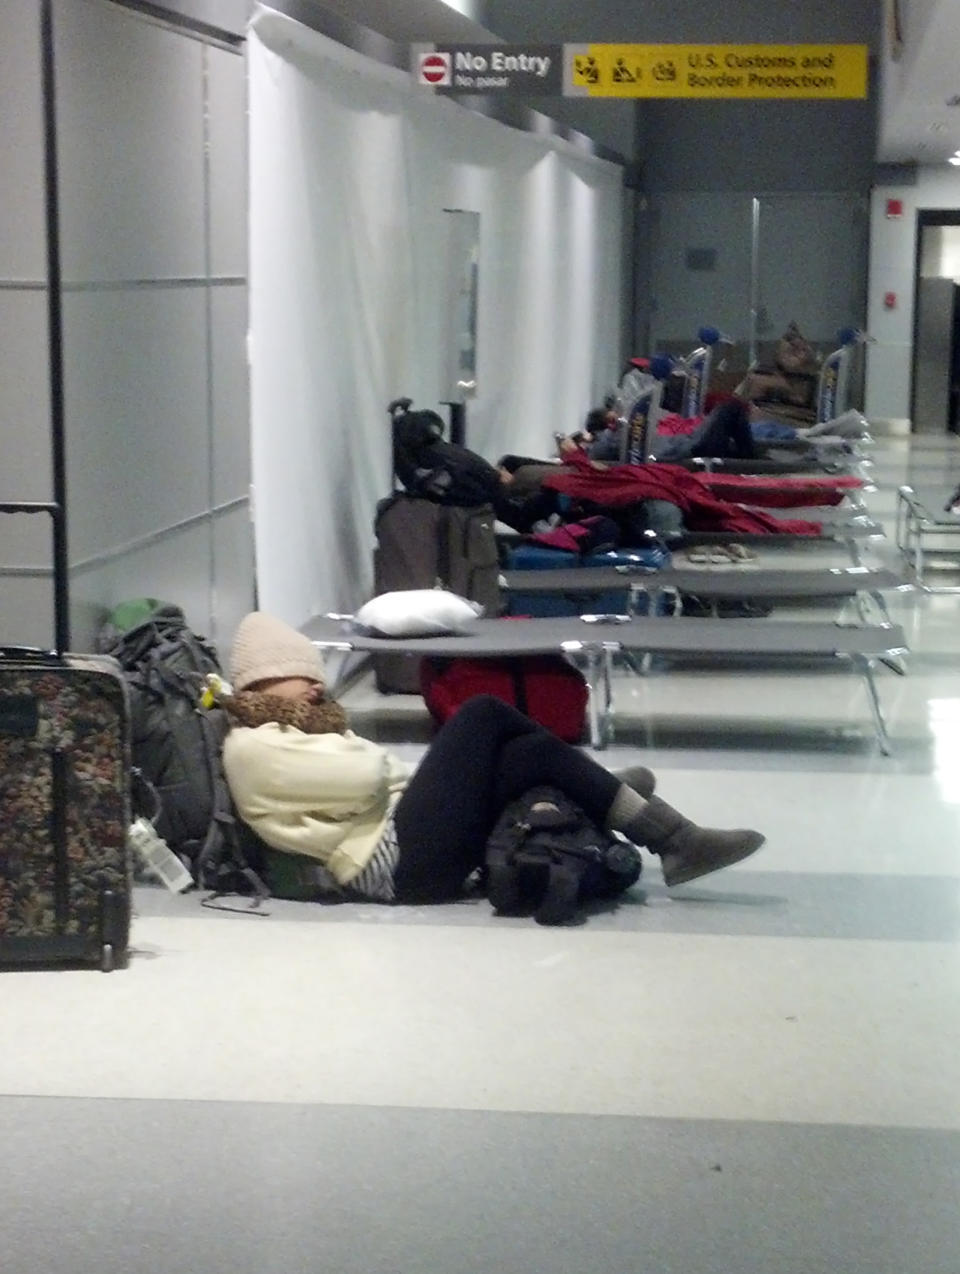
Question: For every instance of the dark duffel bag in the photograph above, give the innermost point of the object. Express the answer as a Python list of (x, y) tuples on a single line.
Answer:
[(428, 466)]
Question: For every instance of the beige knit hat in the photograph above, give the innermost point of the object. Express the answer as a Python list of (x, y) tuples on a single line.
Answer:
[(265, 647)]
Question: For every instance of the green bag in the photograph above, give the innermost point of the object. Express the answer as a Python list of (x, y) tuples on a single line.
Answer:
[(296, 877)]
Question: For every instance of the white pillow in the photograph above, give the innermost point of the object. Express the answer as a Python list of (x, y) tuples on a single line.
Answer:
[(417, 612)]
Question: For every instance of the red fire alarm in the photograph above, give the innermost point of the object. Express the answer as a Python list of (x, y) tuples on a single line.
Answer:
[(889, 300), (894, 207)]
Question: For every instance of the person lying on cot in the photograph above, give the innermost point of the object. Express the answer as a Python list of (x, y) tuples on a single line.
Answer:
[(725, 433), (522, 501), (671, 500), (365, 827), (525, 503), (600, 436)]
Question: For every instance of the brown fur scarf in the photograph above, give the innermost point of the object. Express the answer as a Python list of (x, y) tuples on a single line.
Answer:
[(253, 708)]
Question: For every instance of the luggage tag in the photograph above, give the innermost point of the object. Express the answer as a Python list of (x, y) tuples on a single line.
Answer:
[(215, 688)]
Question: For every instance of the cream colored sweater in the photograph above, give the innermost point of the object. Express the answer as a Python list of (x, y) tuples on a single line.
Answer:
[(328, 796)]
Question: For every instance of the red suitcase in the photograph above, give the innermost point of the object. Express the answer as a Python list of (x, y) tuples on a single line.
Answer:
[(544, 687)]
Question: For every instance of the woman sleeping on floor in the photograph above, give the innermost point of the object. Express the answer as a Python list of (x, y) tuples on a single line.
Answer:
[(344, 818)]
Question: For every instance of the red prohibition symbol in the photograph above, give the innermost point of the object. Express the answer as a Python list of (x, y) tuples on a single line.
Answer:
[(435, 68)]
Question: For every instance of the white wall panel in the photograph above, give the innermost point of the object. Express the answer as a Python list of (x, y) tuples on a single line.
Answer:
[(130, 126), (22, 231), (226, 109), (25, 467), (230, 393), (25, 470), (157, 570), (26, 608), (215, 590), (151, 402), (233, 574), (135, 373)]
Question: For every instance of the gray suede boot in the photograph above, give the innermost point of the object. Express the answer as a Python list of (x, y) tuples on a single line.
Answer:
[(639, 778), (686, 850)]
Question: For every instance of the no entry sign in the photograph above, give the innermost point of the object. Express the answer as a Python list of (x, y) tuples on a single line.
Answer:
[(435, 69)]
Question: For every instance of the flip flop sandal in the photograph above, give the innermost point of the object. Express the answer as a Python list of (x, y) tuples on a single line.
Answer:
[(739, 553), (709, 557)]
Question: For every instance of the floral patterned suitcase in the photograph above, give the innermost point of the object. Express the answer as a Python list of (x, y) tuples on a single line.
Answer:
[(65, 869), (64, 811)]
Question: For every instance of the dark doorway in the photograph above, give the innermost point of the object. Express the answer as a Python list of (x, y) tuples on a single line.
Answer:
[(935, 372)]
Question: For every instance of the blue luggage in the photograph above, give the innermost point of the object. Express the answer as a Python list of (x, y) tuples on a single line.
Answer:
[(534, 557)]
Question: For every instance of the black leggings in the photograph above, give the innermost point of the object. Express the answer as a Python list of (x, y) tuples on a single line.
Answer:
[(483, 757), (725, 432)]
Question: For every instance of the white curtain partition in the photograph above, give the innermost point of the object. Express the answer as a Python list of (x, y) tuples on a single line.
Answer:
[(351, 167)]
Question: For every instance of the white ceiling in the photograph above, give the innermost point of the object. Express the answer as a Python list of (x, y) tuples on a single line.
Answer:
[(915, 121)]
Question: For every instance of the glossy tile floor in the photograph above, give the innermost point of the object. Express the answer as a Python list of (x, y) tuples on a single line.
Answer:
[(756, 1073)]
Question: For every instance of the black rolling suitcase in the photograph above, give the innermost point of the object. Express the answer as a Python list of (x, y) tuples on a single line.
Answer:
[(64, 799)]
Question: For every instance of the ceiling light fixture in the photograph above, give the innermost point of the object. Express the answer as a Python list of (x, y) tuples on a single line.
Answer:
[(955, 160)]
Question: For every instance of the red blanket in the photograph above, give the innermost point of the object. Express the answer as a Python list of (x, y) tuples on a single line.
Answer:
[(618, 486), (779, 493)]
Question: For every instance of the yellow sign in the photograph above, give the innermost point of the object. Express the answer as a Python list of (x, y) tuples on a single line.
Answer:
[(812, 71)]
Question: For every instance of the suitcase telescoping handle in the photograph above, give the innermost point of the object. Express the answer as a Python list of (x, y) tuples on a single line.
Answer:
[(61, 611), (399, 407)]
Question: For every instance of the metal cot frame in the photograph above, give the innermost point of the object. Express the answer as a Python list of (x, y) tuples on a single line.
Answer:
[(599, 640), (916, 526), (860, 584)]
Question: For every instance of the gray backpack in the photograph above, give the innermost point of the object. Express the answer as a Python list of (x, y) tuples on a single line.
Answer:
[(177, 744)]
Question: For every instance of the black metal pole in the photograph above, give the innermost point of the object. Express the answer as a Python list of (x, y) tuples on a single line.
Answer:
[(61, 601), (458, 423)]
